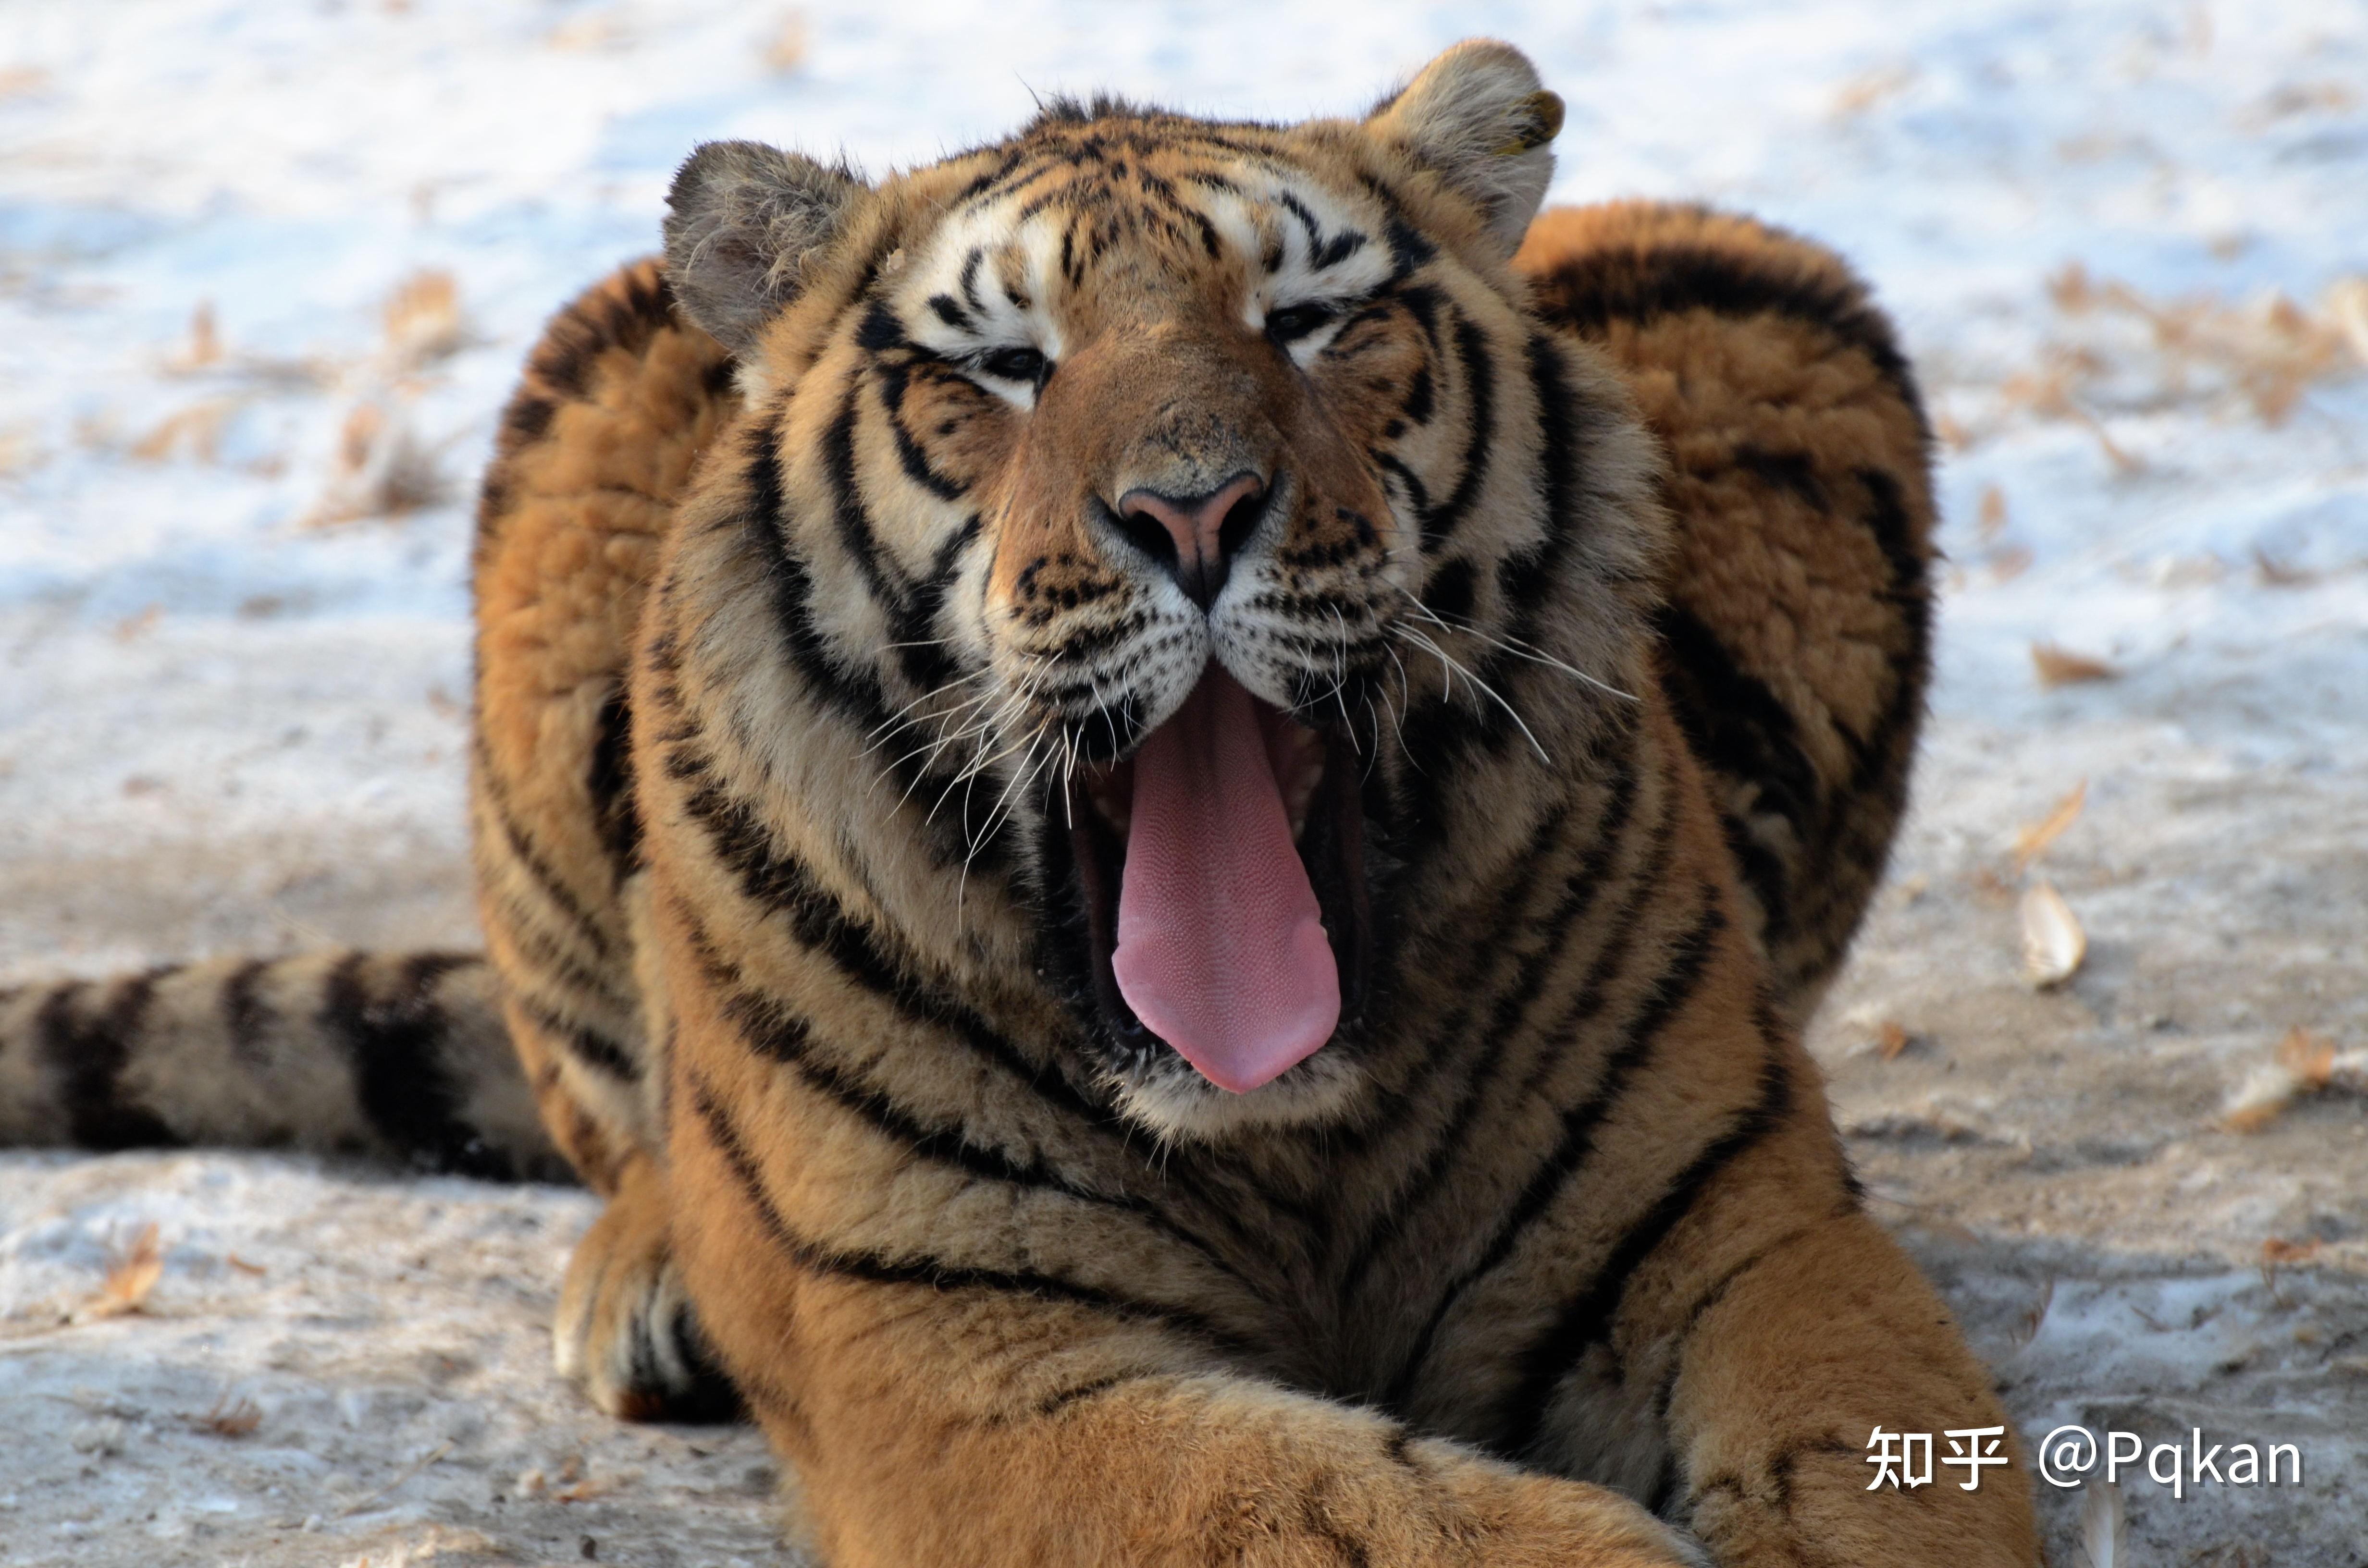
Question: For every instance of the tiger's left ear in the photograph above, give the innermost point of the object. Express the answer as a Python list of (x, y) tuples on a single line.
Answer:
[(742, 223), (1479, 117)]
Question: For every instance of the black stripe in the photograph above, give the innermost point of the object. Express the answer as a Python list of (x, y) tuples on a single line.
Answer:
[(851, 692), (1528, 577), (1709, 1298), (773, 878), (873, 1268), (245, 1014), (532, 944), (1671, 989), (1478, 371), (848, 512), (576, 336), (1735, 724), (524, 421), (1588, 293), (495, 794), (586, 1043), (1586, 1321), (777, 880), (1507, 1018), (895, 379), (1478, 952), (394, 1041), (926, 662), (87, 1057), (1794, 472), (1449, 593), (1644, 886), (780, 1036), (611, 784), (1053, 1404), (1881, 751)]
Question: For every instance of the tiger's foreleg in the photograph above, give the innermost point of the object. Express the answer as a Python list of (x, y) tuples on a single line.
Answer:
[(942, 1417), (1783, 1383), (615, 405), (1776, 1327)]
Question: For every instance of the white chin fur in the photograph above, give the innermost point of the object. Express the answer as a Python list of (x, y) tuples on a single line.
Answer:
[(1177, 1104)]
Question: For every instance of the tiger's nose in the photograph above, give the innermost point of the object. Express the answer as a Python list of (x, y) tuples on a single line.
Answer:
[(1195, 537)]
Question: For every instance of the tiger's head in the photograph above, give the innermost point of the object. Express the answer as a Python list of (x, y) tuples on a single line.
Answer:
[(1174, 514)]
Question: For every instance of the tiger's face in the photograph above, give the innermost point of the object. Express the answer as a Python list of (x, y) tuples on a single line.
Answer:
[(1133, 443), (1173, 365)]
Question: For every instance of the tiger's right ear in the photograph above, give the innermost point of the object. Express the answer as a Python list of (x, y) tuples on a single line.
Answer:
[(1479, 117), (742, 220)]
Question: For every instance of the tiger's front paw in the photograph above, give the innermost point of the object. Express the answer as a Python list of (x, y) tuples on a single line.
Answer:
[(626, 1330)]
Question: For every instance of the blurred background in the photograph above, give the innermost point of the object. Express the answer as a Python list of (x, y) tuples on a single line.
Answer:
[(265, 271)]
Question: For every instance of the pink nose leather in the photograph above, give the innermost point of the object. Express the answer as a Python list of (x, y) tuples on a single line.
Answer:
[(1195, 524)]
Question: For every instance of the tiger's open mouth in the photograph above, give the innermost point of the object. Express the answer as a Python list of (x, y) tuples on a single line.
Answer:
[(1223, 869)]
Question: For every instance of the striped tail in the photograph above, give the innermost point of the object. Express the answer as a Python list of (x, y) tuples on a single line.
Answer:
[(398, 1056)]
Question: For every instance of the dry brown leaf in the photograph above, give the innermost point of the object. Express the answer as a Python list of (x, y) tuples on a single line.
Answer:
[(2260, 1099), (2305, 1062), (596, 30), (2060, 667), (2278, 1254), (2053, 942), (786, 50), (2031, 842), (130, 1278), (422, 318), (198, 427), (2034, 1320), (1993, 514), (1890, 1039), (382, 470), (20, 449), (2347, 308), (2272, 573), (2104, 1527), (584, 1491), (1861, 93), (2008, 564), (204, 349), (132, 628), (231, 1418), (2267, 352), (2069, 287), (2309, 1057), (243, 1266)]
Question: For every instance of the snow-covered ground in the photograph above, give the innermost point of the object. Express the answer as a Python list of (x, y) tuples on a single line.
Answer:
[(266, 270)]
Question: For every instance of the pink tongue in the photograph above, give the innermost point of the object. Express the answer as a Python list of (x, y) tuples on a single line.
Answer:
[(1220, 949)]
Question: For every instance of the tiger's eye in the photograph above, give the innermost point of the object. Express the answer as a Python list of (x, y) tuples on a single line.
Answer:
[(1296, 322), (1018, 364)]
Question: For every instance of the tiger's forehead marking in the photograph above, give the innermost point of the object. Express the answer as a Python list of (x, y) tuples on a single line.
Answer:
[(1134, 205)]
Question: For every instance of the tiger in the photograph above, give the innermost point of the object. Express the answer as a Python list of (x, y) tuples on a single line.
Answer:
[(1159, 806)]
